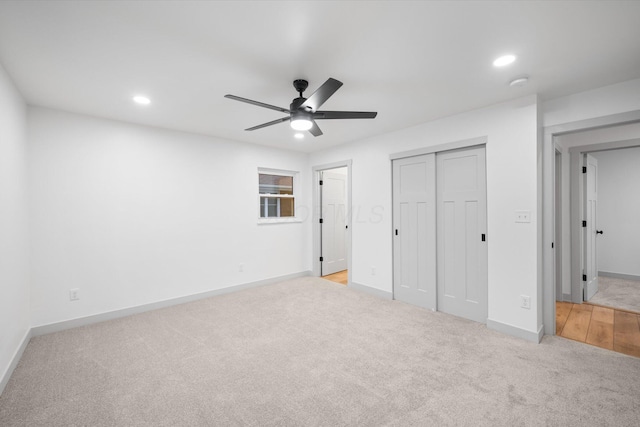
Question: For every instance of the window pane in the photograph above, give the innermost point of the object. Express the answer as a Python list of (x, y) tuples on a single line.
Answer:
[(276, 184), (286, 207), (268, 207), (274, 207)]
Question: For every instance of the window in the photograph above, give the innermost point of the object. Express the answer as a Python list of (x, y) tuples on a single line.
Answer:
[(277, 194)]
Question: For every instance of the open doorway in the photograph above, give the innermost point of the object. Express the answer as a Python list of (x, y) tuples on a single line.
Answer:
[(598, 302), (332, 233), (609, 314), (616, 240), (572, 139), (604, 206)]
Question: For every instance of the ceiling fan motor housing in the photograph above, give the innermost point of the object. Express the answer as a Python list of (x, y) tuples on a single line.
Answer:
[(296, 103), (300, 85)]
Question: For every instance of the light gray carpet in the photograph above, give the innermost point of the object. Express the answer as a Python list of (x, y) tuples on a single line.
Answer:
[(618, 293), (310, 352)]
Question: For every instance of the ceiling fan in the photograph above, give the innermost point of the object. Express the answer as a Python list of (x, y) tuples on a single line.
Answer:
[(303, 112)]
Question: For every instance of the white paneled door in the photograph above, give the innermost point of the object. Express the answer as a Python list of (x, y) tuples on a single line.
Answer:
[(462, 239), (439, 232), (591, 216), (414, 233), (334, 222)]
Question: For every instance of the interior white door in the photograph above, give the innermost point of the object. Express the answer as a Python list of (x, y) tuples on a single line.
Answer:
[(461, 235), (334, 222), (591, 216), (414, 234)]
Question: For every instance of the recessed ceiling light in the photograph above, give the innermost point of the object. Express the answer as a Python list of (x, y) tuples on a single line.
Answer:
[(519, 82), (504, 60), (299, 135), (142, 100)]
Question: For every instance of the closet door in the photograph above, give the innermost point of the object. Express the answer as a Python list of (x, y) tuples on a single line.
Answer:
[(414, 230), (461, 233)]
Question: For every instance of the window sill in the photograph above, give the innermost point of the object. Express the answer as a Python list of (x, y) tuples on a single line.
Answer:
[(287, 220)]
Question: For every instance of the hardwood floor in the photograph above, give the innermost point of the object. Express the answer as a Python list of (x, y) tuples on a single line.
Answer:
[(616, 330), (339, 277)]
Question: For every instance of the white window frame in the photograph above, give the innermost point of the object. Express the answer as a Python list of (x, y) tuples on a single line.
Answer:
[(296, 189)]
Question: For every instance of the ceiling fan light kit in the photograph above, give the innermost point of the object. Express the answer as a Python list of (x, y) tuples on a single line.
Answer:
[(303, 112), (301, 121)]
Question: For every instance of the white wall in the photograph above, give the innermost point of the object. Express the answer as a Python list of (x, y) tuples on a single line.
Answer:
[(131, 215), (619, 211), (511, 129), (604, 101), (14, 278)]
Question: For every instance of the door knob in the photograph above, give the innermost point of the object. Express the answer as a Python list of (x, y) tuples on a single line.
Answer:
[(598, 231)]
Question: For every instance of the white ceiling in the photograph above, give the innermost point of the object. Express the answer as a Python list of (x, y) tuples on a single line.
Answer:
[(410, 61)]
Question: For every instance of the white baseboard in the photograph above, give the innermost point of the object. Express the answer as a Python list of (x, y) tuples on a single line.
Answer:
[(4, 380), (369, 290), (116, 314), (515, 331), (566, 297), (619, 275)]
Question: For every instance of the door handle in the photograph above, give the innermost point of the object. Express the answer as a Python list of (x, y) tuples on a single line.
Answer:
[(598, 231)]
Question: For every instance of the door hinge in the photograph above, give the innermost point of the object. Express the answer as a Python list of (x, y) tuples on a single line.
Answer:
[(321, 259), (321, 221), (320, 182), (584, 223), (584, 169), (551, 245), (484, 238), (584, 277), (396, 231)]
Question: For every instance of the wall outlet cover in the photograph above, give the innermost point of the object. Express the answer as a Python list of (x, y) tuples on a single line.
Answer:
[(523, 216)]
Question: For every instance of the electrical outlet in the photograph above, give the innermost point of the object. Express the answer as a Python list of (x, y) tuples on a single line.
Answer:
[(523, 216), (525, 302), (74, 294), (241, 268)]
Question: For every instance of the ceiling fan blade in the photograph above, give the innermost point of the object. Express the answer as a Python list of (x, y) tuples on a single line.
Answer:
[(320, 115), (273, 122), (259, 104), (315, 130), (320, 96)]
